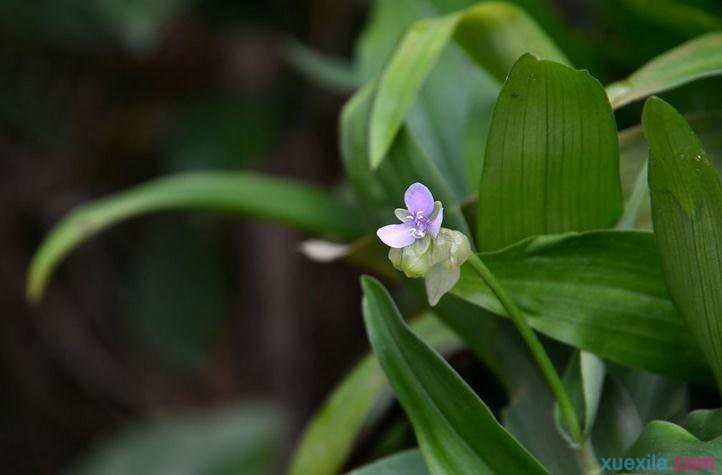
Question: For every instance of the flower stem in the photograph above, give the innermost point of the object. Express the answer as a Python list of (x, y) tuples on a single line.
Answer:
[(535, 346)]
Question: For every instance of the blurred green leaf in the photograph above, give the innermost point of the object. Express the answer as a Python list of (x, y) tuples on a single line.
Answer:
[(687, 214), (583, 380), (246, 193), (410, 462), (134, 24), (493, 34), (456, 431), (705, 424), (669, 441), (601, 292), (618, 421), (552, 157), (696, 59), (336, 74), (245, 439), (329, 437)]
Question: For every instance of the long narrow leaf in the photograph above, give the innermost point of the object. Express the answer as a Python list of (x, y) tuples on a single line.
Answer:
[(687, 215), (250, 194), (329, 437), (696, 59), (457, 433), (494, 34)]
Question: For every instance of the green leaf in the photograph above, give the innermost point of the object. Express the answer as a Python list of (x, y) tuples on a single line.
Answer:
[(552, 158), (583, 380), (633, 152), (668, 442), (410, 462), (602, 292), (687, 215), (383, 189), (493, 34), (457, 433), (244, 439), (333, 73), (329, 437), (618, 421), (304, 206), (695, 59), (705, 424)]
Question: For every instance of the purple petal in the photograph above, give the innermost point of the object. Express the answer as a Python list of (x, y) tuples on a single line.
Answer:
[(396, 235), (419, 198), (435, 225)]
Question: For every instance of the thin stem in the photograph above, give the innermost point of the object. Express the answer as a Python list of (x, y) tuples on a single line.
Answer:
[(535, 346)]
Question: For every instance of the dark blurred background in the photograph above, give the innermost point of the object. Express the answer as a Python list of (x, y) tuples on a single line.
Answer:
[(173, 312)]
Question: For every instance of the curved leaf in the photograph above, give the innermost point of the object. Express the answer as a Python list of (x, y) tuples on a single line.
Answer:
[(687, 215), (695, 59), (602, 292), (337, 74), (457, 433), (674, 447), (329, 437), (410, 462), (705, 424), (304, 206), (552, 157), (494, 34)]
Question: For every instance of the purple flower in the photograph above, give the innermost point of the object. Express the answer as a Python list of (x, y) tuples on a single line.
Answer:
[(422, 216)]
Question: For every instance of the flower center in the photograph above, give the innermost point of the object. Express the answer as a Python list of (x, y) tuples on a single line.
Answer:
[(420, 223)]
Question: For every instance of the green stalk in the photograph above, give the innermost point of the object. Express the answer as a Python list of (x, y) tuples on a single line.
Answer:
[(535, 346)]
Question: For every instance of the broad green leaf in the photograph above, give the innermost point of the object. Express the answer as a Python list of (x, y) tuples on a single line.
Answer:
[(330, 436), (583, 380), (457, 433), (696, 59), (337, 74), (705, 424), (382, 190), (687, 215), (671, 445), (304, 206), (602, 292), (245, 439), (552, 157), (410, 462), (493, 34)]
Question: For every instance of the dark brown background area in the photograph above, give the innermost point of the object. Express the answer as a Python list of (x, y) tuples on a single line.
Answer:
[(84, 117)]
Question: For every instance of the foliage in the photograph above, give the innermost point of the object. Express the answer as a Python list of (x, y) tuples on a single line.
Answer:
[(481, 104)]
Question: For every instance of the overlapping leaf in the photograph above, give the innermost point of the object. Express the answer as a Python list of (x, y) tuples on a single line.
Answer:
[(602, 292), (552, 158), (456, 432), (330, 435), (493, 34), (687, 215)]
